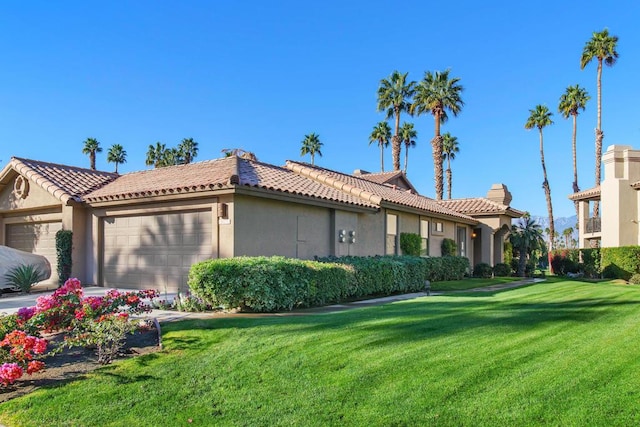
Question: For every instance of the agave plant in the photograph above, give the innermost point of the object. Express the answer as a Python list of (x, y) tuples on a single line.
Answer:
[(24, 277)]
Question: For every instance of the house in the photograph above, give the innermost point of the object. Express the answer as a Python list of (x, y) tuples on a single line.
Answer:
[(619, 202), (145, 229)]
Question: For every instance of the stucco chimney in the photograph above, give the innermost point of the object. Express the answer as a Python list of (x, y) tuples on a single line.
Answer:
[(499, 193)]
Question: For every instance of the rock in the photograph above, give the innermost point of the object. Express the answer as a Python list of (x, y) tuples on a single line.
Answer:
[(11, 258)]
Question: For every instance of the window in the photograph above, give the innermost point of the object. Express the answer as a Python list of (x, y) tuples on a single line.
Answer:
[(424, 235), (438, 227), (462, 241), (392, 234)]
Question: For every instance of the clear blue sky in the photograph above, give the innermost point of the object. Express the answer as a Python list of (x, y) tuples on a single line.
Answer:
[(261, 75)]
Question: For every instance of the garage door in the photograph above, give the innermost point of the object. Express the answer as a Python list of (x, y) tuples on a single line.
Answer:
[(37, 238), (155, 251)]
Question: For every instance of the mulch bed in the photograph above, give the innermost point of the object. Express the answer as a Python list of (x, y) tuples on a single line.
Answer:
[(73, 363)]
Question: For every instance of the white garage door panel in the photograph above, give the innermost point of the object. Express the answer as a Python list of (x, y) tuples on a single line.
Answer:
[(155, 251), (37, 238)]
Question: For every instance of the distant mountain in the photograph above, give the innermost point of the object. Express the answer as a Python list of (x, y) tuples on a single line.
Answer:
[(561, 224)]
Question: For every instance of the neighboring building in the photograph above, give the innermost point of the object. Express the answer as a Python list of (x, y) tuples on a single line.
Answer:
[(145, 229), (618, 199)]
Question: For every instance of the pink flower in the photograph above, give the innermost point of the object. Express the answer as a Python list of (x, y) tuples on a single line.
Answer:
[(94, 302), (26, 313), (113, 293), (40, 346), (44, 303), (10, 372), (35, 366)]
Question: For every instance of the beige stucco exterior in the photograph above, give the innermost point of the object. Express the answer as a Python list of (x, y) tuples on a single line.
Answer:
[(619, 202)]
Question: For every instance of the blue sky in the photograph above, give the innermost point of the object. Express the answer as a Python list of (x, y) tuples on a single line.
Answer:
[(261, 75)]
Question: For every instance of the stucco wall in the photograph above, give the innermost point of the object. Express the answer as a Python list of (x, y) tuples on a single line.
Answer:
[(36, 198), (273, 227), (371, 229)]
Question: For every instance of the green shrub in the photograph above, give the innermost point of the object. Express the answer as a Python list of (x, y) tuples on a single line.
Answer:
[(502, 270), (635, 279), (508, 253), (620, 263), (410, 244), (24, 277), (563, 265), (482, 270), (64, 245), (448, 247), (277, 283)]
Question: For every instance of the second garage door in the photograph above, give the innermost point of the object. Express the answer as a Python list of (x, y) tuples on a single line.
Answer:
[(37, 238), (155, 251)]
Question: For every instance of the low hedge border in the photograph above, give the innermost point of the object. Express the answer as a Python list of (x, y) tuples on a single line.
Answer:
[(266, 284)]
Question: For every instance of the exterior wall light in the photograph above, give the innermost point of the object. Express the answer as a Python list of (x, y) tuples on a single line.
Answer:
[(342, 234), (352, 236)]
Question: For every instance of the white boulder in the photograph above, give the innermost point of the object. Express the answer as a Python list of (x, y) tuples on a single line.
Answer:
[(11, 258)]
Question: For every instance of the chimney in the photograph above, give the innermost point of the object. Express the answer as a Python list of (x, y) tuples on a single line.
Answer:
[(499, 193)]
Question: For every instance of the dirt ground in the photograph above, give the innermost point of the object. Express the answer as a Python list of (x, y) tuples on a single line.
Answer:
[(73, 363)]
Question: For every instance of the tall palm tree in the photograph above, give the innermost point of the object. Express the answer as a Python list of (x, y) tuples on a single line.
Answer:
[(574, 99), (311, 145), (188, 149), (381, 134), (539, 118), (408, 135), (567, 233), (117, 155), (449, 150), (438, 94), (91, 147), (602, 47), (156, 155), (394, 96), (526, 236)]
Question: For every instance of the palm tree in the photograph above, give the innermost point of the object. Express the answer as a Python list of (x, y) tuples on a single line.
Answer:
[(449, 150), (408, 135), (540, 117), (311, 145), (188, 150), (574, 99), (239, 152), (381, 134), (394, 96), (172, 157), (91, 147), (567, 233), (117, 155), (156, 155), (526, 236), (436, 94), (601, 46)]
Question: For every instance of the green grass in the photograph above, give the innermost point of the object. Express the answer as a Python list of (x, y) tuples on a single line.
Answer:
[(471, 283), (555, 353)]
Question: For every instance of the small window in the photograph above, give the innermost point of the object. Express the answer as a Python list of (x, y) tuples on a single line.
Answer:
[(438, 227), (424, 235), (392, 234)]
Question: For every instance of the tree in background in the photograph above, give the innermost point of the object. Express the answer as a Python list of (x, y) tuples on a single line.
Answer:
[(437, 94), (449, 150), (394, 96), (381, 134), (526, 237), (239, 152), (172, 157), (540, 117), (156, 155), (567, 233), (188, 149), (575, 98), (311, 145), (117, 155), (602, 47), (408, 136), (91, 147)]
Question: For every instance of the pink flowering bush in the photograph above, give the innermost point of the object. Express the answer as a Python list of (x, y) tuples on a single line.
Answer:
[(98, 321)]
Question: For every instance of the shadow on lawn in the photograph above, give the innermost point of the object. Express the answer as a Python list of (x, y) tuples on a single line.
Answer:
[(426, 318)]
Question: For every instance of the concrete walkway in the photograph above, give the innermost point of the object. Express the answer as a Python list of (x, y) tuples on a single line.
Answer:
[(11, 303)]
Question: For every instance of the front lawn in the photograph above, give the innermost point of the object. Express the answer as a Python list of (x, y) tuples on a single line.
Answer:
[(557, 353), (471, 283)]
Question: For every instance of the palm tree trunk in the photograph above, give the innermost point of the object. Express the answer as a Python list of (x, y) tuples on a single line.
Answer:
[(381, 156), (116, 167), (312, 158), (406, 157), (599, 137), (547, 194), (436, 144), (92, 160), (395, 144), (576, 188), (522, 261), (448, 181)]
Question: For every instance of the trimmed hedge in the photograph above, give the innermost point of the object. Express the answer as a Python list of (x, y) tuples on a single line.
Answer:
[(568, 261), (410, 244), (620, 263), (483, 270), (64, 247), (502, 269), (269, 284)]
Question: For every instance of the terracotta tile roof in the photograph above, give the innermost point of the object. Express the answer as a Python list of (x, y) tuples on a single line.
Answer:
[(480, 205), (374, 192), (63, 182), (217, 174), (386, 178), (590, 194)]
